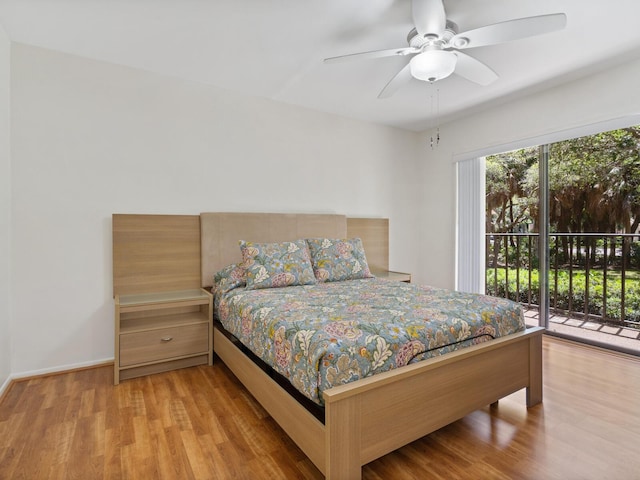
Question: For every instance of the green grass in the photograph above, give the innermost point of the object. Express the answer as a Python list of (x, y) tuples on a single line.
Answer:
[(563, 297)]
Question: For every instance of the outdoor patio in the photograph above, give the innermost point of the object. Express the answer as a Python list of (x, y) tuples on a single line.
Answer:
[(617, 337)]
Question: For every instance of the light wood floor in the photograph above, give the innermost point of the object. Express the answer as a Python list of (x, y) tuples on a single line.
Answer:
[(199, 423)]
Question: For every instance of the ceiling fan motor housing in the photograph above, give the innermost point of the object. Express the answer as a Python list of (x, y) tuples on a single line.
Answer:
[(415, 40)]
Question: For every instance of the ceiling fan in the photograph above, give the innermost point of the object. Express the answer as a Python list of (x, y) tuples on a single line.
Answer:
[(435, 45)]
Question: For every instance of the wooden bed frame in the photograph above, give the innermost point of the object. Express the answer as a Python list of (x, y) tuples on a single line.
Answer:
[(369, 418)]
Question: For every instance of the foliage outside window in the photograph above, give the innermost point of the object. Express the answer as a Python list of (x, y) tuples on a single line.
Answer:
[(594, 185), (594, 188)]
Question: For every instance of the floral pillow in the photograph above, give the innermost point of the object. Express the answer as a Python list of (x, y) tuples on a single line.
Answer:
[(230, 277), (335, 260), (272, 265)]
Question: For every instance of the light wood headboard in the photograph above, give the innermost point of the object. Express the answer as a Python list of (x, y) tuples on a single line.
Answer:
[(157, 253), (221, 232), (374, 233)]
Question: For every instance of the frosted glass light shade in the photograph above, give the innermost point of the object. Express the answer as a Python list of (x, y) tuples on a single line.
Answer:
[(432, 65)]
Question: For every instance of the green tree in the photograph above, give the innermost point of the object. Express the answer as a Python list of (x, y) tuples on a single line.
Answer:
[(594, 185), (594, 182), (508, 201)]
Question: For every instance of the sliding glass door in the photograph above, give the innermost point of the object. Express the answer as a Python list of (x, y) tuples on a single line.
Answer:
[(559, 233)]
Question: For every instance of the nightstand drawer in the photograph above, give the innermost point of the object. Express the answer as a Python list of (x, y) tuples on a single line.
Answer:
[(164, 343)]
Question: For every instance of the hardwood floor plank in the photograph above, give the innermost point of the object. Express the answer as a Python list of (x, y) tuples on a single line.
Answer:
[(59, 439), (308, 470), (220, 467), (199, 423), (112, 453), (267, 466), (10, 399), (234, 460), (199, 461)]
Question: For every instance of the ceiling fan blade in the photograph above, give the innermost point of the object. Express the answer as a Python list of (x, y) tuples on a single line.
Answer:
[(474, 70), (429, 17), (373, 54), (509, 30), (402, 78)]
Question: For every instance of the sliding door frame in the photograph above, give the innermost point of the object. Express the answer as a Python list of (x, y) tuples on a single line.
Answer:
[(470, 260), (543, 234)]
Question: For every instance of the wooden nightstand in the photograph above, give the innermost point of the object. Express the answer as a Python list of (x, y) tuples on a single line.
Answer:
[(393, 276), (157, 332)]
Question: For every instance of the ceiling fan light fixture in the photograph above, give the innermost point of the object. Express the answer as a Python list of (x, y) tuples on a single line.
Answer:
[(433, 65)]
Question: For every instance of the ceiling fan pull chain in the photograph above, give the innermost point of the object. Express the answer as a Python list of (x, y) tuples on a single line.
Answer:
[(436, 119), (437, 116), (431, 115)]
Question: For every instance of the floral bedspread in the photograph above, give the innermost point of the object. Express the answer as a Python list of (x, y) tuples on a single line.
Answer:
[(328, 334)]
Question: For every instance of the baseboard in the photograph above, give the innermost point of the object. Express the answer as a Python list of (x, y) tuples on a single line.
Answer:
[(61, 369), (20, 377), (5, 387)]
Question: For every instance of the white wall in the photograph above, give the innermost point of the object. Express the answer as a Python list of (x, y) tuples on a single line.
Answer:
[(90, 139), (5, 213), (551, 115)]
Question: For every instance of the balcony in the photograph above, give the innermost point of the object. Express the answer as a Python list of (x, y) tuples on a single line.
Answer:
[(594, 282)]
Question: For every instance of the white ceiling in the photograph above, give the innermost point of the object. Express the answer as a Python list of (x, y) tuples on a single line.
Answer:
[(275, 48)]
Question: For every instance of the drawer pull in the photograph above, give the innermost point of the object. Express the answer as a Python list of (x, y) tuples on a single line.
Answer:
[(166, 339)]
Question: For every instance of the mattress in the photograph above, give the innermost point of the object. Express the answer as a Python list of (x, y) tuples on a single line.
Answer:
[(327, 334)]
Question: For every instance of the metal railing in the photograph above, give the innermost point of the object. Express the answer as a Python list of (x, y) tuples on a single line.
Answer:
[(591, 275)]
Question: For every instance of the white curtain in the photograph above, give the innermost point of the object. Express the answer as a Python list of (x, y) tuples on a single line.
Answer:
[(470, 237)]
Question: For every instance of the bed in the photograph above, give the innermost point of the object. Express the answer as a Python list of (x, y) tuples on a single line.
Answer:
[(369, 417)]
